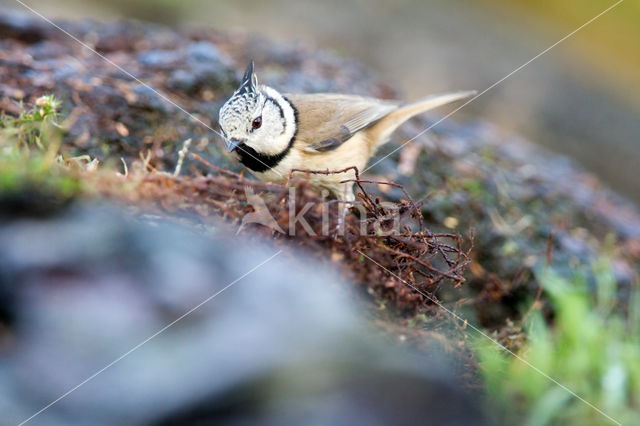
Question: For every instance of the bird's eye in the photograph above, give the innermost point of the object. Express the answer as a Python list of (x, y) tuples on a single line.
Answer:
[(257, 122)]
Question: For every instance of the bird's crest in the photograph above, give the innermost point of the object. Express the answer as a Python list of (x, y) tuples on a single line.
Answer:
[(249, 83)]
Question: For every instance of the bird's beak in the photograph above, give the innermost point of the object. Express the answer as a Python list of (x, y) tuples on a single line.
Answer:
[(232, 144)]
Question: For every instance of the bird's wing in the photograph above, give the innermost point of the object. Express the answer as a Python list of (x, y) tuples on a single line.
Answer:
[(326, 121)]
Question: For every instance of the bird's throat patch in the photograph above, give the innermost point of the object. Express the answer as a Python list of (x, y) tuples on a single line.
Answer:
[(257, 162)]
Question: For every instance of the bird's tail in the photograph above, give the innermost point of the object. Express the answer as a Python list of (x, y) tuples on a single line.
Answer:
[(383, 129)]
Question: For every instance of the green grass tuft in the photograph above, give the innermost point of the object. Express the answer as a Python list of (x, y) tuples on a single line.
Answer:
[(591, 346)]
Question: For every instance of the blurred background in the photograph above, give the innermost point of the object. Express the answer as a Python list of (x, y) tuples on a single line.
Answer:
[(581, 99)]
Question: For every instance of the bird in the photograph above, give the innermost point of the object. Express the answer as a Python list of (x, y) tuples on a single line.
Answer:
[(273, 133)]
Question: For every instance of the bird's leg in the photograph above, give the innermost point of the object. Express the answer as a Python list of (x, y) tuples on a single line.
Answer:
[(346, 197)]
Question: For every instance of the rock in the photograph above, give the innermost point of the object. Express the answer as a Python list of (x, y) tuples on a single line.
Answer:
[(19, 26), (183, 80), (204, 53), (280, 345), (157, 58)]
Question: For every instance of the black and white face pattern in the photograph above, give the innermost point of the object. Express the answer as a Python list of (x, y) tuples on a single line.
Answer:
[(257, 120)]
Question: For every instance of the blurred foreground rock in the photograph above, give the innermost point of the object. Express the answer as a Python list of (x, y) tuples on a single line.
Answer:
[(281, 344)]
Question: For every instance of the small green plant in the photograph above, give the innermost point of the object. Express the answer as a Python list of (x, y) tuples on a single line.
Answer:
[(33, 124), (591, 345), (29, 150)]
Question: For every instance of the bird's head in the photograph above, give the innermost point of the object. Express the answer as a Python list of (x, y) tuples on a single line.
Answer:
[(257, 117)]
